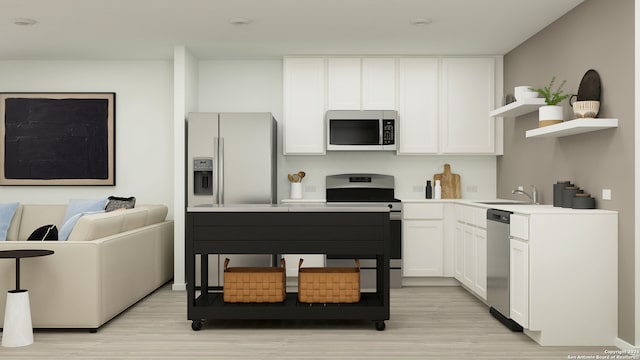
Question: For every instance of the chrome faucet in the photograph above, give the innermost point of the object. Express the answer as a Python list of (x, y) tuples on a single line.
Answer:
[(533, 197)]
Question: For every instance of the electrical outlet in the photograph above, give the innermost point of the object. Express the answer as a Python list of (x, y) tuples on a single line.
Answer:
[(472, 188), (309, 188), (418, 188), (606, 194)]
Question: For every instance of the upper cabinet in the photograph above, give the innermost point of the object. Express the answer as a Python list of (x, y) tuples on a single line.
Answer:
[(467, 97), (443, 104), (343, 82), (361, 83), (304, 106), (418, 105), (378, 83)]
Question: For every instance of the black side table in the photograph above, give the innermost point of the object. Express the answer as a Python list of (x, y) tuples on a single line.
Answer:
[(18, 330)]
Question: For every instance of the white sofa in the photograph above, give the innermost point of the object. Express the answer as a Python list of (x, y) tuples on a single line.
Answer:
[(109, 262)]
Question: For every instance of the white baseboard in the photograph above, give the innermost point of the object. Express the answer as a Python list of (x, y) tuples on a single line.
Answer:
[(429, 281), (630, 349), (179, 287)]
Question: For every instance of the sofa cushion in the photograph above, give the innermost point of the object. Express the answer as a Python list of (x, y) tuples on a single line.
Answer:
[(46, 232), (67, 226), (96, 226), (134, 218), (7, 211), (157, 213), (14, 225), (33, 216)]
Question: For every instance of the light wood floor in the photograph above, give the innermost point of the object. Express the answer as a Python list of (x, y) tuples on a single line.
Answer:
[(426, 323)]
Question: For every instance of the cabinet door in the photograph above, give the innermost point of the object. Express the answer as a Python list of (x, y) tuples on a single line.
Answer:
[(467, 97), (304, 93), (378, 84), (469, 267), (343, 83), (458, 249), (519, 282), (418, 105), (480, 285), (422, 248)]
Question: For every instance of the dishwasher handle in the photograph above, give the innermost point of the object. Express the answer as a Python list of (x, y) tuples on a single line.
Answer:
[(499, 215)]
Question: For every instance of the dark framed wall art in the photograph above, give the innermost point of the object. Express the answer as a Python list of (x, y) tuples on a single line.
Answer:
[(57, 139)]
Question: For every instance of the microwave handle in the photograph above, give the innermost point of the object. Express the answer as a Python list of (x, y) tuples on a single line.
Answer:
[(381, 128)]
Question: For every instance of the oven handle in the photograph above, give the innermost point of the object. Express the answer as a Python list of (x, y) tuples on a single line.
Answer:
[(395, 215)]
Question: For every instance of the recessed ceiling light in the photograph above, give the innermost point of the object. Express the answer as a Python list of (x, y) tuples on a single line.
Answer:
[(239, 21), (23, 21), (421, 21)]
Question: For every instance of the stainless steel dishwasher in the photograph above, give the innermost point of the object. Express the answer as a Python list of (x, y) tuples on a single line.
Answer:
[(498, 267)]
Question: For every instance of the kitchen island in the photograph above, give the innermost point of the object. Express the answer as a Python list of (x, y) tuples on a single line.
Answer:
[(286, 229)]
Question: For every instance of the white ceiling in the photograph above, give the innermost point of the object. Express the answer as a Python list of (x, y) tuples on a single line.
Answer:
[(149, 29)]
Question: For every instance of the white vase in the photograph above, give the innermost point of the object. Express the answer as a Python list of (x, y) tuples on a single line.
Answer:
[(550, 114), (295, 191)]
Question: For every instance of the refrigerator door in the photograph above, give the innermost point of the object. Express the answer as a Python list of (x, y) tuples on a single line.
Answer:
[(247, 158), (202, 135)]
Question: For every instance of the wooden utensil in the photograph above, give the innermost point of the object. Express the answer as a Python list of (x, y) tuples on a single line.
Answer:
[(449, 182), (290, 177), (301, 174), (296, 177)]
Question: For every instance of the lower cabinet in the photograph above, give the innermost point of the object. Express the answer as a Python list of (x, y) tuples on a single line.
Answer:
[(423, 239), (519, 281), (423, 248), (470, 250)]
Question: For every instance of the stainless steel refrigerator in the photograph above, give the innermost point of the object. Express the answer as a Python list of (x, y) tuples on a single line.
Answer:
[(231, 159)]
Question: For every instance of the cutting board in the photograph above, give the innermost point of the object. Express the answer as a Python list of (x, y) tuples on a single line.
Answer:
[(449, 182)]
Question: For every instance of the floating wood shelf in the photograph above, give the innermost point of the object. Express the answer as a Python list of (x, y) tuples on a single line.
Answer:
[(573, 127)]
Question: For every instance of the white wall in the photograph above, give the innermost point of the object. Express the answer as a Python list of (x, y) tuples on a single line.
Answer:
[(256, 85), (144, 139)]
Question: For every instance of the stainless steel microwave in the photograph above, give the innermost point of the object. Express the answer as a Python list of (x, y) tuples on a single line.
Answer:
[(362, 130)]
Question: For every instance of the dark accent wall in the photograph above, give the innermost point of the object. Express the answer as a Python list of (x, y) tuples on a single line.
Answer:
[(598, 34)]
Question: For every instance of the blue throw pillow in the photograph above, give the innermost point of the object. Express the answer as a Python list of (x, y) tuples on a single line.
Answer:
[(75, 209), (6, 214)]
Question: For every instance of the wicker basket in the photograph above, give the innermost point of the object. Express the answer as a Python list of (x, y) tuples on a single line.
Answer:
[(254, 284), (329, 285)]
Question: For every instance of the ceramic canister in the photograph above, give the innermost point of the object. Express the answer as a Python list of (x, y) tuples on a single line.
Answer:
[(557, 191), (568, 194), (583, 201)]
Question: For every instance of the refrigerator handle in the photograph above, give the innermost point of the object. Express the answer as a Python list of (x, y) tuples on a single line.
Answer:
[(221, 171), (216, 194)]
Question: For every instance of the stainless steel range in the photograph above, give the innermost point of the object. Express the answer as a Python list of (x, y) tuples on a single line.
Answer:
[(365, 190)]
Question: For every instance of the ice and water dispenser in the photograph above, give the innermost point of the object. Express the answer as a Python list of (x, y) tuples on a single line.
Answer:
[(203, 176)]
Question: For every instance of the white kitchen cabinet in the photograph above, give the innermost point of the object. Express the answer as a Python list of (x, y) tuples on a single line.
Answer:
[(423, 240), (467, 97), (378, 83), (343, 83), (470, 258), (418, 105), (423, 248), (519, 281), (458, 248), (480, 284), (469, 267), (304, 106), (361, 83)]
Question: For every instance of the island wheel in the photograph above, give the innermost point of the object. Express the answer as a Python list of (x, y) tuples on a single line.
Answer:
[(196, 325), (380, 325)]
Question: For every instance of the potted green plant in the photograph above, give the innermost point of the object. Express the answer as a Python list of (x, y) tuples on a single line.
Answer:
[(552, 113)]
